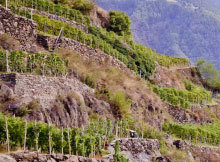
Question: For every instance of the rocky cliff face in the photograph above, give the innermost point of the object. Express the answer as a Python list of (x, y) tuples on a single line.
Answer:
[(61, 101)]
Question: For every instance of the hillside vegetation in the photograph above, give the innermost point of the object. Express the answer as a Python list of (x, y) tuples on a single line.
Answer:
[(186, 28), (121, 98)]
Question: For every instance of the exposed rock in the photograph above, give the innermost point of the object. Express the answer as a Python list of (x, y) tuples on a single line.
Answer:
[(7, 92), (140, 150), (99, 17), (6, 158), (174, 77), (180, 144), (22, 29), (196, 116), (83, 50), (34, 156), (98, 106)]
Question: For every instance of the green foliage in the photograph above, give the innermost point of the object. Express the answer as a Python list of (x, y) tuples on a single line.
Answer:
[(157, 25), (119, 23), (206, 133), (119, 157), (137, 60), (38, 63), (120, 101), (84, 142), (209, 73), (85, 6), (184, 98), (137, 57), (90, 82), (48, 6)]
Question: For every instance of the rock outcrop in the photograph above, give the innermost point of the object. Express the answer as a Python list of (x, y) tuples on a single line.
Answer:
[(140, 150), (61, 101)]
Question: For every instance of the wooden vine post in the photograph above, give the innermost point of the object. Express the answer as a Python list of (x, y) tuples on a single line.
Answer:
[(68, 133), (25, 134), (7, 134), (62, 142), (58, 38), (6, 4), (36, 138), (50, 150), (7, 62)]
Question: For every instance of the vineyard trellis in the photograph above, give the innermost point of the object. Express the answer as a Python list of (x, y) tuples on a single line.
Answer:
[(109, 42), (183, 97), (46, 138), (38, 63), (207, 133)]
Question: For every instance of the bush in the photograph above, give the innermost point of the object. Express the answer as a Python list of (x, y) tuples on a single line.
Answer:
[(90, 82), (123, 105), (209, 73), (119, 23), (85, 6)]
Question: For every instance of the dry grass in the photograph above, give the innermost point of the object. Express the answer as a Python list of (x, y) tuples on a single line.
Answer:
[(116, 81), (9, 43)]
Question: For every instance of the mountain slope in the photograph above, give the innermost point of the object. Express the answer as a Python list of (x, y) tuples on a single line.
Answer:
[(189, 28)]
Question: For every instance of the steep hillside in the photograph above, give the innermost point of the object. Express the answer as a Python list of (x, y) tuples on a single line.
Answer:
[(71, 90), (186, 28)]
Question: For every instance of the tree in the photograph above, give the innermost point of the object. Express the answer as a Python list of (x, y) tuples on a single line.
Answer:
[(119, 23), (209, 73)]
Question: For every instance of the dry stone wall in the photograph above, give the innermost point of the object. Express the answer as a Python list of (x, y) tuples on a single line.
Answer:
[(63, 102), (20, 28), (139, 150), (45, 89), (83, 50)]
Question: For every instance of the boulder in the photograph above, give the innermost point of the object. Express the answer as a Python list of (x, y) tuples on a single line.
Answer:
[(7, 92), (6, 158), (182, 145)]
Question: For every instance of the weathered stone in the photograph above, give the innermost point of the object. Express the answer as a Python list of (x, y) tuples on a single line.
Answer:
[(22, 29), (180, 144), (6, 158), (138, 150), (83, 50), (7, 92)]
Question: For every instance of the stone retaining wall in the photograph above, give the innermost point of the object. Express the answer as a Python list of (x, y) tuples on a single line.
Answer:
[(20, 28), (45, 89), (83, 50)]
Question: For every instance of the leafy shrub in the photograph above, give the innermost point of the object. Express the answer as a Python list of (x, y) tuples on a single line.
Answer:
[(209, 73), (119, 157), (90, 82), (119, 23), (85, 6), (120, 101)]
